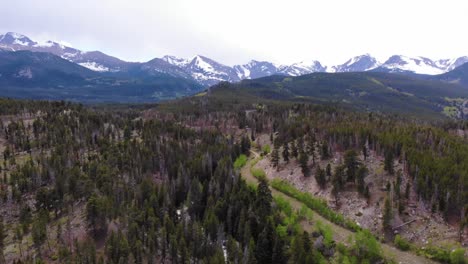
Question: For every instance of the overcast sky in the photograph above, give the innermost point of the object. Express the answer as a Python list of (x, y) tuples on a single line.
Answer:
[(236, 31)]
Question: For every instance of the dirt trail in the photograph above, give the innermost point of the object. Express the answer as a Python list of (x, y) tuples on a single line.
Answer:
[(340, 234)]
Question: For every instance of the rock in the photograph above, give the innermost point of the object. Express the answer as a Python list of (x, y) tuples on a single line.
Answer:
[(318, 244), (315, 234)]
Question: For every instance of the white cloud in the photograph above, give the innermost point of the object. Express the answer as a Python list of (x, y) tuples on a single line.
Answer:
[(237, 31)]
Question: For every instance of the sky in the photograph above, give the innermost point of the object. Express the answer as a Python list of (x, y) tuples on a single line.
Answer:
[(236, 31)]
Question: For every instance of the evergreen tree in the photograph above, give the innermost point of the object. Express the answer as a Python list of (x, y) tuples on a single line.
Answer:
[(286, 152), (264, 199), (328, 170), (324, 151), (367, 192), (361, 174), (320, 177), (311, 145), (278, 256), (3, 235), (96, 209), (351, 163), (365, 152), (39, 230), (407, 191), (387, 215), (275, 158), (264, 248), (388, 163), (303, 160), (337, 183), (294, 149)]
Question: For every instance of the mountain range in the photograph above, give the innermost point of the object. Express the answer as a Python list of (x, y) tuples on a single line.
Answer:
[(207, 72)]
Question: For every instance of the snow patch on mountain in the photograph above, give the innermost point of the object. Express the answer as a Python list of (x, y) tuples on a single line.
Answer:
[(175, 61), (418, 65), (357, 64), (94, 66), (301, 68)]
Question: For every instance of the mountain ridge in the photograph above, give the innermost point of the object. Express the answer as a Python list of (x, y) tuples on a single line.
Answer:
[(208, 72)]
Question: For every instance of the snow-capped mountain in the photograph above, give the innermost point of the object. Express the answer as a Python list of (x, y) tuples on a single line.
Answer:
[(95, 60), (451, 64), (256, 69), (204, 70), (207, 72), (175, 61), (158, 66), (301, 68), (420, 65), (357, 64)]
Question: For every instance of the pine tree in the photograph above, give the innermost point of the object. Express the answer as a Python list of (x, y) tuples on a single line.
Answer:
[(388, 163), (39, 231), (365, 152), (96, 210), (407, 191), (324, 151), (275, 158), (294, 149), (361, 174), (303, 160), (351, 163), (387, 215), (278, 256), (337, 182), (286, 152), (367, 192), (3, 235), (264, 248), (320, 177), (264, 199), (311, 145)]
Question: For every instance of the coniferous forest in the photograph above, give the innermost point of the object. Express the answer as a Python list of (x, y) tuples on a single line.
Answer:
[(178, 183)]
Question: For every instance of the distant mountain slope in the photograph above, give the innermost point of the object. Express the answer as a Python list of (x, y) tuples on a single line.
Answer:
[(93, 60), (40, 69), (457, 76), (40, 75), (370, 91)]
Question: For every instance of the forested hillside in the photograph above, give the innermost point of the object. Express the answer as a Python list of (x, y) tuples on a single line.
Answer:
[(87, 186), (163, 184), (365, 91)]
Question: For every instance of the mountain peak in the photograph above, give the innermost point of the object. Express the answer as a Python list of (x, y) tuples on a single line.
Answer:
[(364, 62), (419, 65), (16, 39), (15, 35)]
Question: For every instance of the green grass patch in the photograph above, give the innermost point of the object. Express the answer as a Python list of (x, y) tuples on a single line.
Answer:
[(258, 173), (240, 161), (291, 219), (266, 149), (401, 243), (444, 254), (316, 204)]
